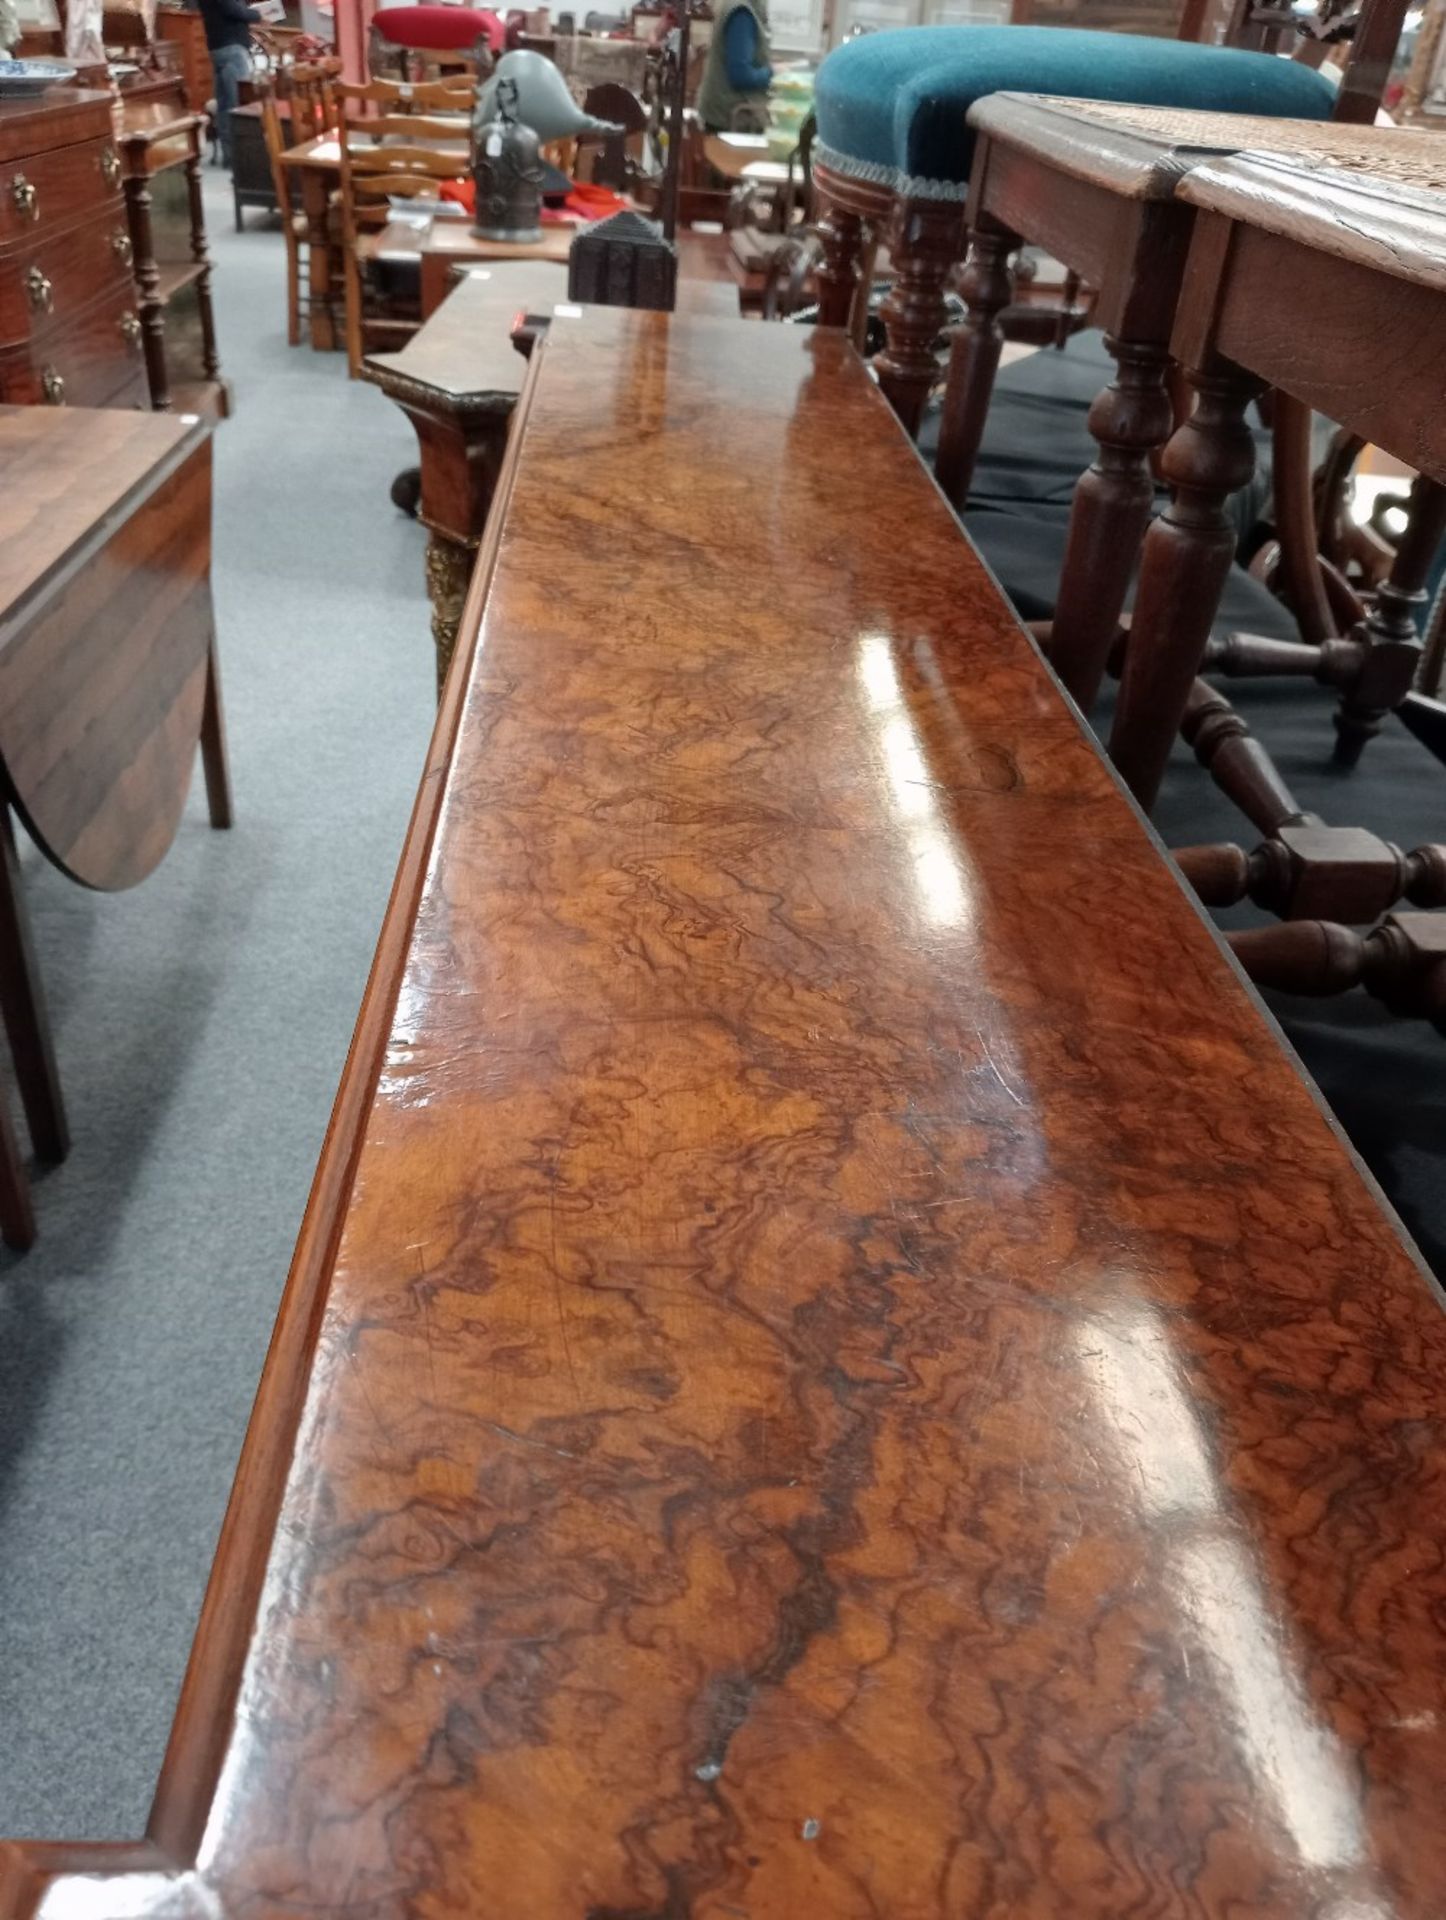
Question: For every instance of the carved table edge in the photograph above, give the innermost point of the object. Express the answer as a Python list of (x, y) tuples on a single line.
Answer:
[(407, 390)]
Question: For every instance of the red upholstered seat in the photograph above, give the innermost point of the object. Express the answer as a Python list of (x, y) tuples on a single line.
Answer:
[(439, 29)]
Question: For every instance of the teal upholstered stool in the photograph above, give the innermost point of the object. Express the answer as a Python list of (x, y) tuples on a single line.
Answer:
[(893, 143)]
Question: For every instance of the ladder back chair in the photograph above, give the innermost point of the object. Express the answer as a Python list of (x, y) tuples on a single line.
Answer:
[(393, 157)]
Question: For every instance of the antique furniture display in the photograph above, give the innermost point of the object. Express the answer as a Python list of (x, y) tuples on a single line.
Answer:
[(828, 1371), (167, 218), (1325, 279), (1096, 185), (108, 675), (69, 331)]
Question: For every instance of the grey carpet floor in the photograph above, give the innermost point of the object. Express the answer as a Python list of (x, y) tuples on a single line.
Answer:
[(201, 1021)]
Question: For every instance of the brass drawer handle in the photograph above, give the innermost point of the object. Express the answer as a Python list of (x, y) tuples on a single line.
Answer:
[(53, 387), (109, 164), (39, 291), (120, 246), (130, 328), (27, 200)]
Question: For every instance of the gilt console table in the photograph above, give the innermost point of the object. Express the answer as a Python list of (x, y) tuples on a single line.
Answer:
[(834, 1365), (108, 675)]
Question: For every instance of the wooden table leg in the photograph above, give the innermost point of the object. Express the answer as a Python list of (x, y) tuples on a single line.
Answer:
[(926, 239), (215, 762), (1187, 557), (1393, 643), (210, 359), (17, 1216), (988, 288), (320, 259), (841, 232), (148, 291), (449, 569), (1130, 421), (22, 999)]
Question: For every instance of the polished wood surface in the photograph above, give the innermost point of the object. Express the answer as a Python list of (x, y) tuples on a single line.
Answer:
[(106, 631), (830, 1368)]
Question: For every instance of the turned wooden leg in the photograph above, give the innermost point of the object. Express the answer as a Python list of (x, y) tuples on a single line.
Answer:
[(449, 569), (26, 1021), (1113, 502), (148, 292), (215, 763), (987, 287), (1187, 557), (838, 275), (1402, 962), (210, 359), (925, 240), (1393, 644), (17, 1216), (1237, 762)]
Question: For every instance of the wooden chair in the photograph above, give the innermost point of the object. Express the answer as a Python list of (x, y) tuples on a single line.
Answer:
[(454, 93), (294, 230), (311, 91), (382, 159)]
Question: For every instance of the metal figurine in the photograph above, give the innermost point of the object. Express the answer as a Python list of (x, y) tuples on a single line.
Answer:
[(506, 172)]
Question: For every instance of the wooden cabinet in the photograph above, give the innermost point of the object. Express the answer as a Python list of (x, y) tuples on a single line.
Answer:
[(182, 28), (69, 326), (161, 167)]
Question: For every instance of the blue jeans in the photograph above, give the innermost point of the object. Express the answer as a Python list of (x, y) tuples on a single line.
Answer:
[(230, 66)]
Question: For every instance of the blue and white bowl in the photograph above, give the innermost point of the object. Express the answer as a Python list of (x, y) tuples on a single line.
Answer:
[(32, 76)]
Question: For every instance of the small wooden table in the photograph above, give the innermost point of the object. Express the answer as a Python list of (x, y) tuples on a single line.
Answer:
[(1096, 185), (1329, 285), (830, 1369), (108, 673)]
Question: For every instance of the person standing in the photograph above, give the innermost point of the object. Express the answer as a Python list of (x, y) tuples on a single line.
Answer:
[(737, 73), (228, 36)]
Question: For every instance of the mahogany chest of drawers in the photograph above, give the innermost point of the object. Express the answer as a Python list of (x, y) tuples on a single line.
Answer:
[(69, 330)]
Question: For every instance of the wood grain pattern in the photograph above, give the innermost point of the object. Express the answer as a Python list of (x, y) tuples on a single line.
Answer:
[(106, 631), (834, 1366)]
